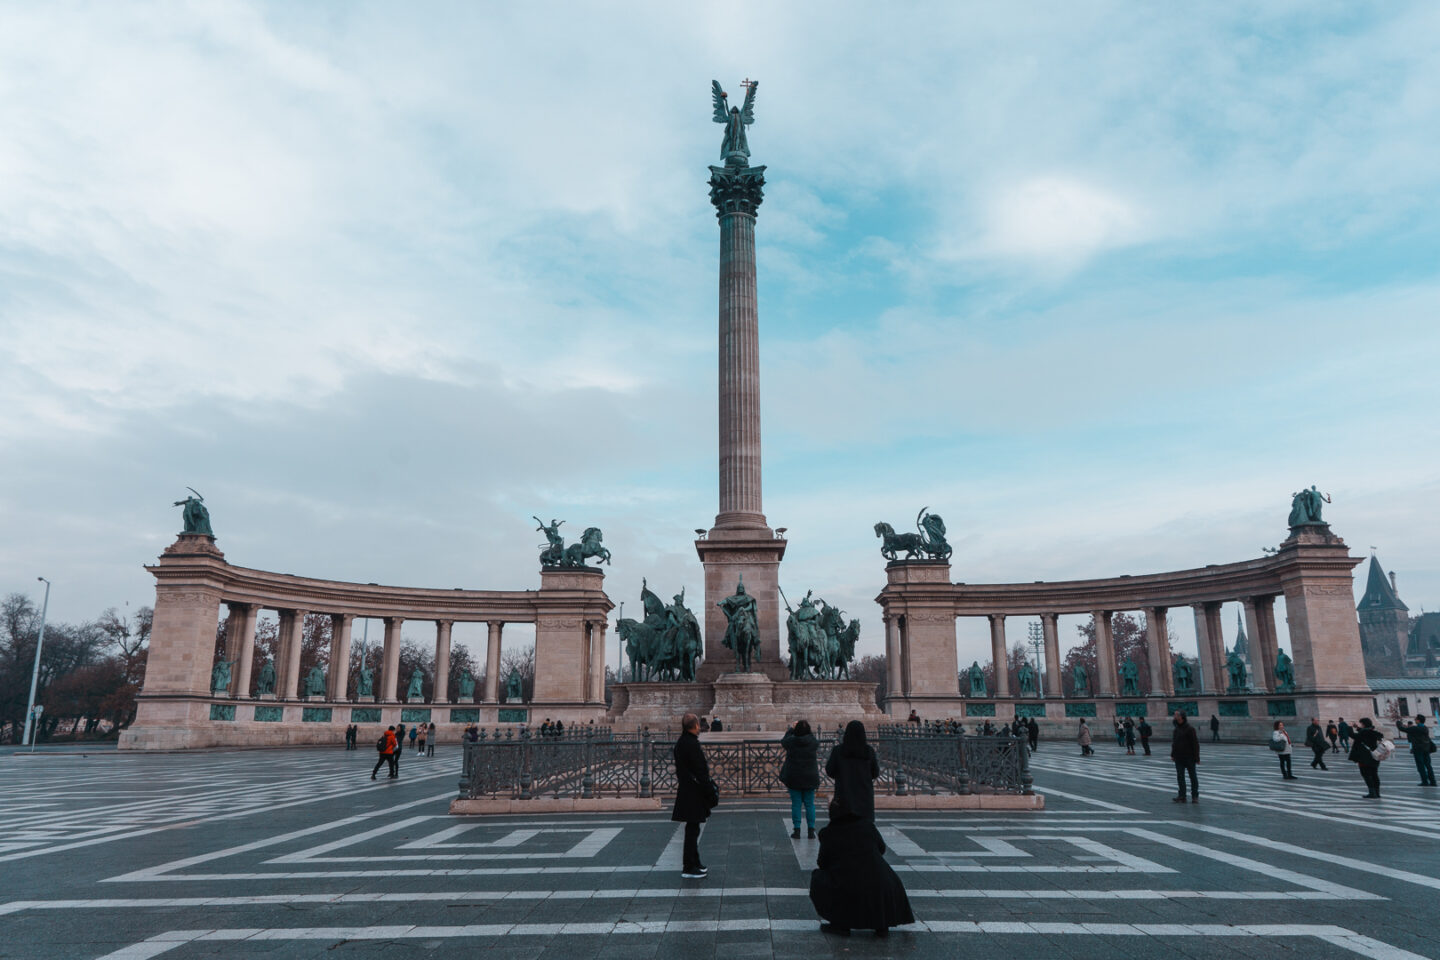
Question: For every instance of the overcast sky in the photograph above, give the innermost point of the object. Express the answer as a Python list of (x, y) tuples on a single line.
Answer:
[(1101, 284)]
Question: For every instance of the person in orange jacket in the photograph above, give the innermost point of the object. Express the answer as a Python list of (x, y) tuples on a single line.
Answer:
[(387, 748)]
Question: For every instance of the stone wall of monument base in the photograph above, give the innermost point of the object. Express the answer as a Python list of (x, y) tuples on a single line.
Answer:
[(1248, 717), (745, 702), (190, 723)]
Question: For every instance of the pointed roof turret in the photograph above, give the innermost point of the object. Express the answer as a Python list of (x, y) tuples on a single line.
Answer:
[(1242, 642), (1379, 594)]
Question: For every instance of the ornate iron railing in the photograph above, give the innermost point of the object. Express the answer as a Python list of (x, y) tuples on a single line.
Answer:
[(522, 766)]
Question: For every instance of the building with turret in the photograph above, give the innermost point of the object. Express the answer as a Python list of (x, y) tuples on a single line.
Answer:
[(1384, 624)]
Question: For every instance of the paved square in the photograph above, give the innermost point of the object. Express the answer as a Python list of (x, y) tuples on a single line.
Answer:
[(297, 853)]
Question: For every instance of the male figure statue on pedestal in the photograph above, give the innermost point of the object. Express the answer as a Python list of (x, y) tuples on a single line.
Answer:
[(266, 684), (220, 676), (742, 634)]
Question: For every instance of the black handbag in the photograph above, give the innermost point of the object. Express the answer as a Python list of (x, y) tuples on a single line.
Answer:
[(710, 792)]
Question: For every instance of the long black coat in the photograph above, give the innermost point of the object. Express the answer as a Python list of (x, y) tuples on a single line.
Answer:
[(691, 773), (1185, 747), (854, 781), (853, 886), (1362, 741), (801, 770)]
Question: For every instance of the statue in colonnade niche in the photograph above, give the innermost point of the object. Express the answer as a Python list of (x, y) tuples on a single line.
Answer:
[(514, 687), (977, 680), (742, 633), (315, 682), (467, 685), (930, 541), (220, 676), (1129, 679), (266, 680), (1306, 506), (416, 689), (195, 515), (1026, 678), (1184, 675), (1236, 668), (1284, 674), (366, 686), (1081, 678)]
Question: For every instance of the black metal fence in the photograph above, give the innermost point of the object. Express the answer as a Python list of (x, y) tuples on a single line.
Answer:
[(522, 766)]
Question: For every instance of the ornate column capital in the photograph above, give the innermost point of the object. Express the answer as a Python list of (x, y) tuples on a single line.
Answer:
[(737, 189)]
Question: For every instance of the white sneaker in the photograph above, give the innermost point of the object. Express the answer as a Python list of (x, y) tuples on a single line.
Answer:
[(692, 876)]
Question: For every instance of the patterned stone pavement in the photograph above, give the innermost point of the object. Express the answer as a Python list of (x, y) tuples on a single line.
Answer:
[(297, 853)]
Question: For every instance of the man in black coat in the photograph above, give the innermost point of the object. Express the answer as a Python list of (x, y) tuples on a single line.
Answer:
[(1421, 746), (1185, 751), (692, 801), (1145, 733), (1315, 740)]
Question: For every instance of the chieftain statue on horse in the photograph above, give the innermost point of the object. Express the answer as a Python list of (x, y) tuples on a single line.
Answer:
[(665, 645), (821, 643)]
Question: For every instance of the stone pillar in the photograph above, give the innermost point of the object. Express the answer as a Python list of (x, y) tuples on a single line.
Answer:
[(390, 668), (1104, 655), (998, 655), (893, 666), (341, 625), (292, 633), (1216, 634), (920, 593), (1269, 639), (441, 692), (1157, 643), (1050, 626), (492, 662), (1315, 573), (245, 650), (1212, 665), (1262, 664), (597, 660)]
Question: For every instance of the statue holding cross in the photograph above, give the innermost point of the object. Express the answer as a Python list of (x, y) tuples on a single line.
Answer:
[(734, 149)]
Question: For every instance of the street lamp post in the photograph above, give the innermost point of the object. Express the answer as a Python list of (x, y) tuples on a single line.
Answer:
[(30, 725), (1037, 640)]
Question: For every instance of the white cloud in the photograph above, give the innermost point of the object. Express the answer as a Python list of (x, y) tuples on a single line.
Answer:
[(1058, 220)]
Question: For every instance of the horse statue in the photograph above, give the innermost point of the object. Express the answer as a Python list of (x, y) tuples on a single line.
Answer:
[(742, 633), (929, 542), (806, 636), (848, 638), (589, 546), (665, 645)]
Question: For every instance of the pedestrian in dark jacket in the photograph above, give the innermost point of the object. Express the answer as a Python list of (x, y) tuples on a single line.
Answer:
[(1332, 733), (852, 886), (1034, 734), (1185, 752), (1364, 739), (386, 747), (1421, 746), (1129, 736), (692, 797), (1315, 740), (1214, 729), (854, 768), (1345, 730), (801, 774), (1146, 731)]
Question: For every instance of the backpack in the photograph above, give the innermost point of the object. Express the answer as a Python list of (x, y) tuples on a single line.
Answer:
[(380, 744), (1383, 750)]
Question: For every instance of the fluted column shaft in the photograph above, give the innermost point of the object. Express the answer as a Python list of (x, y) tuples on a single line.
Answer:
[(492, 663), (340, 628), (441, 693), (892, 656), (1104, 655), (1157, 640), (245, 648), (998, 655), (390, 669), (1049, 625), (293, 630), (740, 498)]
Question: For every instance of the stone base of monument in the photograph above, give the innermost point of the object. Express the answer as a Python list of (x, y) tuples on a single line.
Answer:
[(744, 703)]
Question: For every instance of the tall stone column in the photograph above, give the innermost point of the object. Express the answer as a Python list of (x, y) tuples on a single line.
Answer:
[(390, 668), (998, 655), (597, 660), (1157, 640), (892, 657), (245, 650), (492, 662), (740, 545), (1262, 661), (1216, 633), (293, 630), (1269, 639), (1212, 668), (1104, 655), (441, 692), (1050, 627), (341, 625)]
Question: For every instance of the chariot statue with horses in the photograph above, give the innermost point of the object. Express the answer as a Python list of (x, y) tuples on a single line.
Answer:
[(927, 544), (556, 555)]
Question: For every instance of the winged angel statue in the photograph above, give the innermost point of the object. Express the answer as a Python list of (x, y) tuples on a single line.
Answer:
[(735, 151)]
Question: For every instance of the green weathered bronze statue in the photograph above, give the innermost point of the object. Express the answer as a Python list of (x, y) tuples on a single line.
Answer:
[(555, 554), (665, 645), (929, 542), (806, 635), (1129, 679), (1081, 678), (1305, 508), (265, 682), (416, 689), (1027, 679), (514, 687), (977, 680), (467, 686), (195, 515), (742, 632), (1184, 675), (220, 676), (1284, 674), (366, 686), (315, 682), (1236, 668), (734, 149)]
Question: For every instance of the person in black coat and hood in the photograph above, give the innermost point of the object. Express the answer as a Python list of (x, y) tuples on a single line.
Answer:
[(692, 801), (1365, 738), (801, 774), (852, 886)]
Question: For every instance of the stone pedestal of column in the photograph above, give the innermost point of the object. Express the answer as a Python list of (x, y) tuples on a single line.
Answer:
[(753, 554)]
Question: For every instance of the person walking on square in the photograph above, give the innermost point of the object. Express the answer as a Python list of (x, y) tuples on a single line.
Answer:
[(1129, 736), (1034, 734), (1315, 740), (1280, 743), (1344, 735), (1332, 733), (1145, 733), (399, 748), (1214, 729), (800, 773), (414, 732), (693, 794), (430, 748), (1119, 733), (1084, 738), (1421, 747), (1365, 743), (386, 747), (1185, 752), (420, 741)]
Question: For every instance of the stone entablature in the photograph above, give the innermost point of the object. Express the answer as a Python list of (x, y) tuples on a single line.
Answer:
[(193, 580)]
